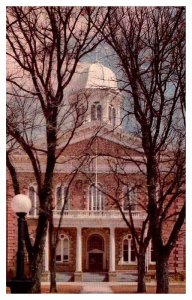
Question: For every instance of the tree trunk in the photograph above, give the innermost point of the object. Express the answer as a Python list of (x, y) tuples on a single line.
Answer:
[(52, 245), (141, 286), (53, 285), (37, 263), (162, 275), (36, 276), (36, 270)]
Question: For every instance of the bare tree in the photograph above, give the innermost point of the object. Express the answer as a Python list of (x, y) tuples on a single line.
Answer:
[(130, 198), (44, 46), (118, 161), (149, 44)]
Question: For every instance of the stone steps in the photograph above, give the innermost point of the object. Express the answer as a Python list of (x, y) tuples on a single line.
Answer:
[(95, 277), (126, 277), (64, 277)]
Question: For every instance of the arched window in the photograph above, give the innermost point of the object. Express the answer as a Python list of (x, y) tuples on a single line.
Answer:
[(99, 113), (113, 120), (61, 198), (93, 113), (32, 193), (95, 241), (95, 197), (62, 250), (128, 250), (130, 198), (96, 112), (112, 115), (80, 115)]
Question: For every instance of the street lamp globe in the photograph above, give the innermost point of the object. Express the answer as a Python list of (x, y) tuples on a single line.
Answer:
[(21, 204)]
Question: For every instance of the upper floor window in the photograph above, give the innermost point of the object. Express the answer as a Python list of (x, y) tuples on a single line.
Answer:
[(130, 198), (95, 197), (96, 112), (61, 198), (128, 250), (62, 250), (112, 115), (33, 195)]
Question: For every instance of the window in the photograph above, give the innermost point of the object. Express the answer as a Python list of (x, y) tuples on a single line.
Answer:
[(128, 250), (99, 112), (61, 197), (32, 192), (112, 115), (62, 250), (95, 197), (80, 115), (130, 198), (93, 113), (96, 112), (152, 253), (95, 241)]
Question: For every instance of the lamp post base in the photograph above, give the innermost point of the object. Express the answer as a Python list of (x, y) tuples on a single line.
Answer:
[(20, 286)]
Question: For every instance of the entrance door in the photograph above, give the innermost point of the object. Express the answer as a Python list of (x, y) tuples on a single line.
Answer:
[(96, 261), (95, 253)]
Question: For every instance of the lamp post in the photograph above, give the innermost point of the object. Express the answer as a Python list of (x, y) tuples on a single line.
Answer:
[(21, 205)]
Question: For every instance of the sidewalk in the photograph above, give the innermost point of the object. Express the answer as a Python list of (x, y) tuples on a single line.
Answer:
[(96, 288), (106, 288), (111, 287)]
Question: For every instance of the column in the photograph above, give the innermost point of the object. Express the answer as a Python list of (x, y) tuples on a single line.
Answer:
[(79, 251), (46, 253), (147, 253), (46, 273), (112, 255), (78, 272)]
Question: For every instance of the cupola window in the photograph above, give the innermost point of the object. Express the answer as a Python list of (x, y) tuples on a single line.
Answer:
[(112, 116), (80, 115), (96, 112)]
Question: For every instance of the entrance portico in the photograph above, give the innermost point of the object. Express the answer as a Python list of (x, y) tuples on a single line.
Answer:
[(95, 251), (95, 245)]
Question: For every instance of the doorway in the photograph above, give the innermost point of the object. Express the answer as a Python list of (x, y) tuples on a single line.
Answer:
[(95, 262), (95, 253)]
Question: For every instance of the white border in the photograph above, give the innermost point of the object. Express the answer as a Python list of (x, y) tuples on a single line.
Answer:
[(188, 5)]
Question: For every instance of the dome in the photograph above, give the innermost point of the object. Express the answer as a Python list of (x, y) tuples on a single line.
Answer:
[(94, 76)]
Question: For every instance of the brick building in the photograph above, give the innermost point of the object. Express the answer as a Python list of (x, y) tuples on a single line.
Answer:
[(93, 236)]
